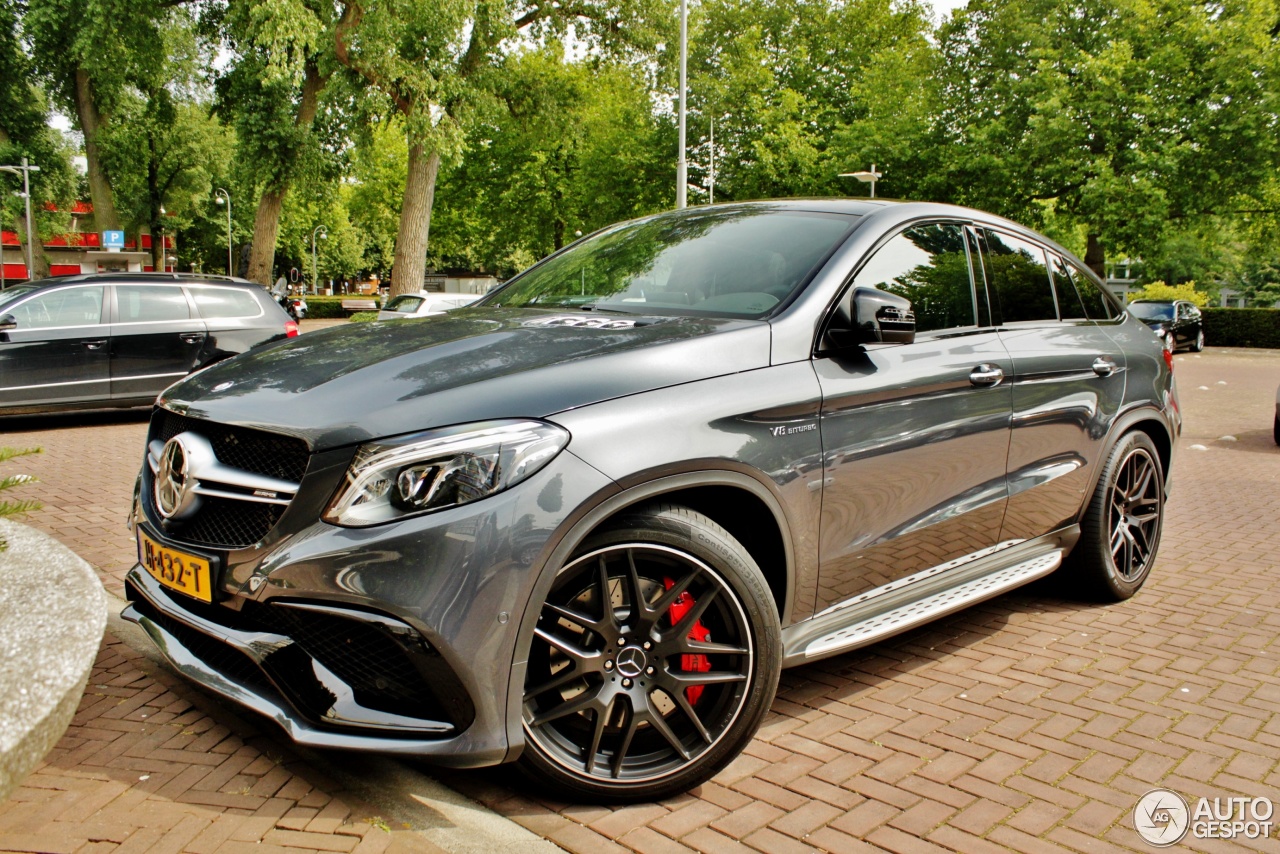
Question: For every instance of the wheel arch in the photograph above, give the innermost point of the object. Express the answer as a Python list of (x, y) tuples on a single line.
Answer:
[(762, 528), (1146, 419)]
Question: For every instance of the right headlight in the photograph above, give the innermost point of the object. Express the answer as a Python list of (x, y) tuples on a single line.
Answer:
[(422, 472)]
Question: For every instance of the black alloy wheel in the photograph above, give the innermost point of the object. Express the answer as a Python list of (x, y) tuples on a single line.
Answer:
[(654, 658), (1120, 530)]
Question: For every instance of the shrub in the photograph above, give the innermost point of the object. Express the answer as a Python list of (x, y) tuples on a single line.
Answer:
[(20, 506), (1242, 327), (364, 316), (1161, 291)]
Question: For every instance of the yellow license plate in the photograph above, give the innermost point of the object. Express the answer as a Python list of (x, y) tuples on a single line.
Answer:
[(176, 570)]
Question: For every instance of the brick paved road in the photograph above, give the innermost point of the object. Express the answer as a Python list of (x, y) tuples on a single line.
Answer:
[(1031, 723)]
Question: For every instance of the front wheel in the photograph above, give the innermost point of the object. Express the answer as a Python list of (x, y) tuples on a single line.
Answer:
[(1120, 530), (655, 657)]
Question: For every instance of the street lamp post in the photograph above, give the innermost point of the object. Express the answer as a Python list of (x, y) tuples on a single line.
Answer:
[(866, 177), (223, 195), (25, 171), (314, 275), (682, 167)]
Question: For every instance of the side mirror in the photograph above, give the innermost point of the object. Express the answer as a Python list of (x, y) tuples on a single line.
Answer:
[(870, 316), (8, 322)]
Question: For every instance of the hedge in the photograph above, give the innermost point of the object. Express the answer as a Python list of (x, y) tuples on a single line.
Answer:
[(321, 306), (1241, 327)]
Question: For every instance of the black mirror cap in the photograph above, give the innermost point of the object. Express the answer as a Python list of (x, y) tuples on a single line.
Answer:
[(880, 317)]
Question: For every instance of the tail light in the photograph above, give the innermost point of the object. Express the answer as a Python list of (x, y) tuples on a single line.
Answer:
[(1168, 358), (290, 329)]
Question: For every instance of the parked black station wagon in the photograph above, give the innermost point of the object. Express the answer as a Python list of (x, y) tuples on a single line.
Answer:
[(117, 339), (1178, 322), (584, 523)]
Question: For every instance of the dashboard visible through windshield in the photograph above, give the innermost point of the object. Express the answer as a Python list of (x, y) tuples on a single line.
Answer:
[(734, 262)]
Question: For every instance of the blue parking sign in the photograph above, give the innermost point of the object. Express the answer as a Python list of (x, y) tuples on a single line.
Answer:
[(113, 240)]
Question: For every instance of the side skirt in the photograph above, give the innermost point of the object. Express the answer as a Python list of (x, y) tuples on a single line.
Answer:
[(900, 607)]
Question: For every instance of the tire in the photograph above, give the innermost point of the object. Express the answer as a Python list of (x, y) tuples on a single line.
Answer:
[(1198, 344), (1120, 530), (1275, 429), (625, 703)]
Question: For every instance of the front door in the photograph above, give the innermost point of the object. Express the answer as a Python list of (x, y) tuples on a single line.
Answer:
[(914, 436), (57, 351)]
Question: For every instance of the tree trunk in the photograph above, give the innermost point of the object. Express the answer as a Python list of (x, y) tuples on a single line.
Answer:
[(154, 204), (266, 227), (266, 222), (1095, 258), (410, 262), (104, 206), (39, 261)]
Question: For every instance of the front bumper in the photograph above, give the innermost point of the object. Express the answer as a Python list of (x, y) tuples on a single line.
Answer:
[(398, 638)]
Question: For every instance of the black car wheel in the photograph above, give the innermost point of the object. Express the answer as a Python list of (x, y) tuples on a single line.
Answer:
[(655, 657), (1275, 429), (1198, 344), (1120, 531)]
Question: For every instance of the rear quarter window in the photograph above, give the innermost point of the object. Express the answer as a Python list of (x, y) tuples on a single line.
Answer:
[(215, 303)]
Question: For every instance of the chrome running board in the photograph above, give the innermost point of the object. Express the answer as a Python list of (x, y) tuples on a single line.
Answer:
[(883, 616)]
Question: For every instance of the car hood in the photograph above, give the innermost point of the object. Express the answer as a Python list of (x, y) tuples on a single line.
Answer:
[(364, 381)]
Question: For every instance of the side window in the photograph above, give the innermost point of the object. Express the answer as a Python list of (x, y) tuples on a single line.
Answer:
[(928, 265), (1018, 278), (225, 302), (63, 307), (1098, 304), (149, 303), (1070, 306)]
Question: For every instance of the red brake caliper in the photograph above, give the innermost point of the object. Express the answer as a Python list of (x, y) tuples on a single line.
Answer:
[(689, 663)]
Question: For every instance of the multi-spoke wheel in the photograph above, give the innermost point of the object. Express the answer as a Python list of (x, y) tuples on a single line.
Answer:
[(1120, 530), (1198, 344), (654, 658)]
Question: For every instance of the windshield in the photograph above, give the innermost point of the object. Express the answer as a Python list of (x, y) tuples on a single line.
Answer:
[(404, 303), (737, 262), (8, 295), (1151, 310)]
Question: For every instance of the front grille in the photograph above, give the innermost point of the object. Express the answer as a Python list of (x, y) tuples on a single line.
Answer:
[(242, 447), (227, 523), (377, 668)]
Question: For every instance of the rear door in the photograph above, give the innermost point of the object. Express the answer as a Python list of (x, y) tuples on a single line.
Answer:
[(1067, 383), (57, 352), (156, 339), (914, 436)]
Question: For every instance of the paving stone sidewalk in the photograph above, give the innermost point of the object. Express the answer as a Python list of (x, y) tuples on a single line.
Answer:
[(1031, 723)]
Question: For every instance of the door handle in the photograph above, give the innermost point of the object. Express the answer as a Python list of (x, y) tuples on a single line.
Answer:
[(192, 337), (1103, 366), (986, 375), (95, 344)]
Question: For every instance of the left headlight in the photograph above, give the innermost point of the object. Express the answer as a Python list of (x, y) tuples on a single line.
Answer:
[(395, 478)]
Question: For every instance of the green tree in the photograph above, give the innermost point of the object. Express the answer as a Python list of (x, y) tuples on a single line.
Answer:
[(91, 52), (548, 161), (1161, 291), (1112, 115)]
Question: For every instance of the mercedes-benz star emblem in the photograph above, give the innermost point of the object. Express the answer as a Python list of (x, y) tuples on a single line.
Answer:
[(631, 662), (173, 484)]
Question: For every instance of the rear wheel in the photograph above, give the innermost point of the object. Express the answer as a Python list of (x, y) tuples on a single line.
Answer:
[(1198, 344), (1275, 429), (655, 657), (1120, 531)]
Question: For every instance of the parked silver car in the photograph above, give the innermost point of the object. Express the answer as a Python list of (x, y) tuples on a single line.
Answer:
[(424, 304), (586, 522)]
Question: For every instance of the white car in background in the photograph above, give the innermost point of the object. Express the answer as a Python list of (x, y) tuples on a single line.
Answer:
[(424, 304)]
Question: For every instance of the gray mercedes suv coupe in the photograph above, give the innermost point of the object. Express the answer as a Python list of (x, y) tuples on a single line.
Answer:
[(585, 522)]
